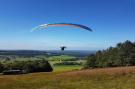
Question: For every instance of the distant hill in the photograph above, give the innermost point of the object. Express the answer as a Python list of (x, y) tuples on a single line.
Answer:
[(22, 52), (77, 53)]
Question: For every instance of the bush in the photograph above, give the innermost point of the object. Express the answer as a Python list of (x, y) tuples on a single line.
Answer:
[(1, 67), (28, 66), (38, 66), (91, 62)]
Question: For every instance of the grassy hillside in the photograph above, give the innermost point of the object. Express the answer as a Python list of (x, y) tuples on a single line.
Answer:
[(108, 78)]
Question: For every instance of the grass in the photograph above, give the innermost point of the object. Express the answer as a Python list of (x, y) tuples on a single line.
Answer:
[(61, 57), (108, 78), (63, 68)]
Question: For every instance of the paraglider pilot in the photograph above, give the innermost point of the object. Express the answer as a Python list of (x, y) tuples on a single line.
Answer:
[(63, 48)]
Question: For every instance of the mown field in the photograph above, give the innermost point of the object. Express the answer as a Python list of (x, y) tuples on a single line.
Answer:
[(107, 78), (64, 68)]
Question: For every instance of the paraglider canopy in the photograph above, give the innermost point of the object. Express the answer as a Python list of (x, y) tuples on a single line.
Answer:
[(43, 26)]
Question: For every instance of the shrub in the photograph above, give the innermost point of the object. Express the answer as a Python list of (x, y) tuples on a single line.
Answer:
[(1, 67), (28, 66), (37, 66)]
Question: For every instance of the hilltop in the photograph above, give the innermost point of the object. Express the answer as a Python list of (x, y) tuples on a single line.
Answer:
[(105, 78)]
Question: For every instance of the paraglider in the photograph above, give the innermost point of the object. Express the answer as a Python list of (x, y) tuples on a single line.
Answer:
[(62, 51), (43, 26), (63, 48)]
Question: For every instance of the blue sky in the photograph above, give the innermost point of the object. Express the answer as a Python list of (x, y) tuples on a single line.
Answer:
[(113, 21)]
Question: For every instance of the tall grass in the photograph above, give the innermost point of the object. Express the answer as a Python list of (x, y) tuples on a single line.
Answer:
[(110, 78)]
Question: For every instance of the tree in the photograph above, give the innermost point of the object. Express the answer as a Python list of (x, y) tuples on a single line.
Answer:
[(91, 62), (1, 67)]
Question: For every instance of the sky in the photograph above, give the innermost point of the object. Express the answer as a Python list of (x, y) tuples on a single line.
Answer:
[(112, 21)]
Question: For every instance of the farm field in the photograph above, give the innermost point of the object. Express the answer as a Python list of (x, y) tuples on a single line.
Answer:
[(64, 68), (106, 78)]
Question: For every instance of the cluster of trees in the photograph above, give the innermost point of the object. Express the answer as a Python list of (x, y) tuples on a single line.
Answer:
[(121, 55), (28, 66)]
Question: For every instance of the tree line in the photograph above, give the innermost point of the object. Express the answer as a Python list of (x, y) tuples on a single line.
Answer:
[(121, 55)]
